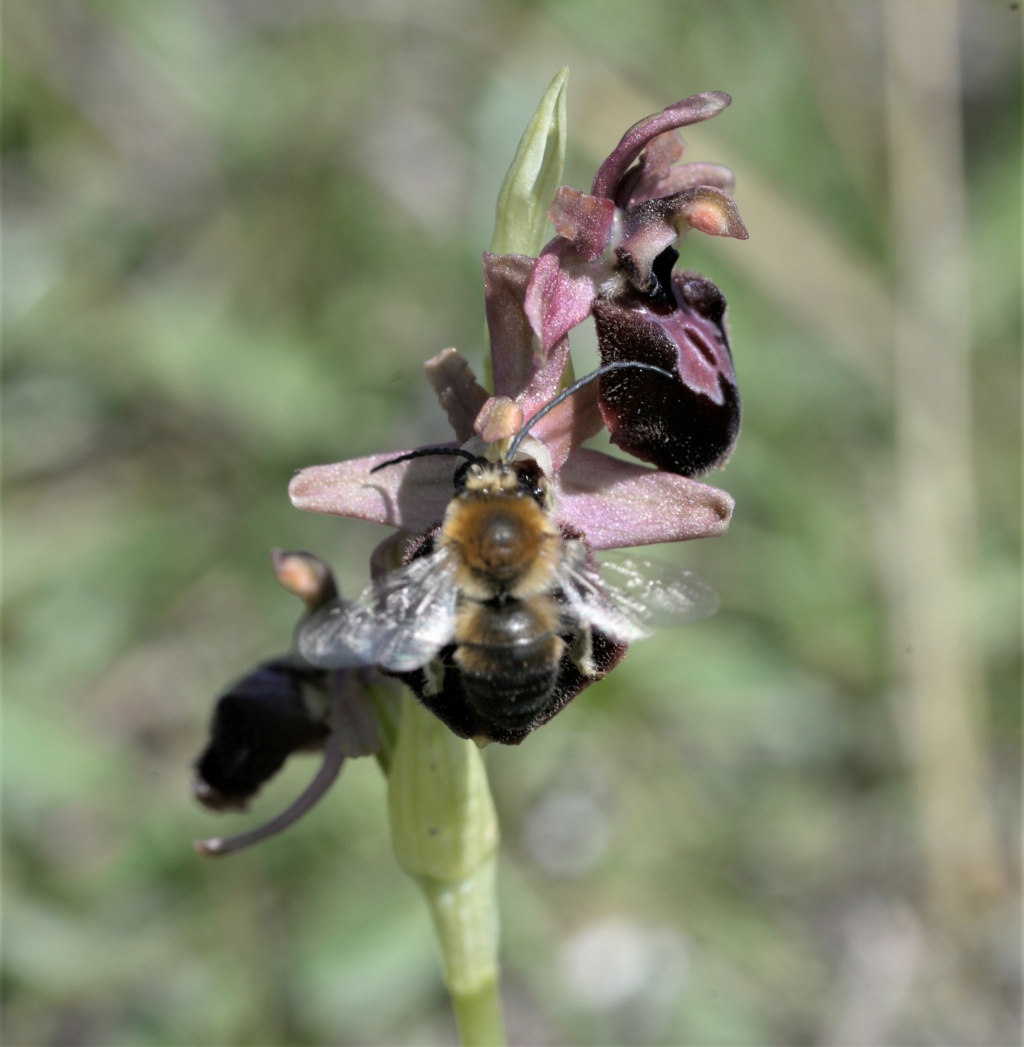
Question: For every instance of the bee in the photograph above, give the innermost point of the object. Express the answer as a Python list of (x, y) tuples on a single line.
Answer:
[(502, 615)]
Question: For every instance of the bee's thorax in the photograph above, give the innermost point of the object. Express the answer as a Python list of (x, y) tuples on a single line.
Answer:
[(505, 543)]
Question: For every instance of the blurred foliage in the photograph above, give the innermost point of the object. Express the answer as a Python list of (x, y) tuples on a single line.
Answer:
[(233, 232)]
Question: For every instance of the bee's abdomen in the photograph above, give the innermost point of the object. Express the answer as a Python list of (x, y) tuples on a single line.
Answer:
[(509, 655)]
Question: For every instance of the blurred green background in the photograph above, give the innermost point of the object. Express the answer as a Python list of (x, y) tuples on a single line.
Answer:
[(233, 232)]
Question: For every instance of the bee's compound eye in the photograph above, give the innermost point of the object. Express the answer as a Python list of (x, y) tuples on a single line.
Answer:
[(530, 477)]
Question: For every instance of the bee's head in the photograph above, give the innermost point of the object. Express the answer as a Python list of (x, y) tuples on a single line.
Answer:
[(480, 476), (519, 479), (509, 476)]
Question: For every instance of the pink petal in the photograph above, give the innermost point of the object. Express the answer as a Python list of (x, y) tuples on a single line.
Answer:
[(458, 391), (659, 159), (618, 504), (676, 179), (690, 110), (526, 363), (571, 423), (513, 362), (588, 221), (411, 495), (544, 387), (559, 294)]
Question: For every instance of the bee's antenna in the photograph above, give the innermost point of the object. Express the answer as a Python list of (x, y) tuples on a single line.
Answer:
[(575, 387), (424, 452)]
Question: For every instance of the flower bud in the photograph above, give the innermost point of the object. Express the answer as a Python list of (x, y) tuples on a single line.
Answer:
[(520, 221)]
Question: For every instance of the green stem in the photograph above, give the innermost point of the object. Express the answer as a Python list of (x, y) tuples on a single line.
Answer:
[(478, 1016), (445, 834), (465, 918)]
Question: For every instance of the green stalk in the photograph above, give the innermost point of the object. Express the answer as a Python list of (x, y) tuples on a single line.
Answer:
[(445, 833), (466, 920)]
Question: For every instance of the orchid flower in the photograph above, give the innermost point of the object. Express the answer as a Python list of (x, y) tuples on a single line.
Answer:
[(284, 706), (612, 258)]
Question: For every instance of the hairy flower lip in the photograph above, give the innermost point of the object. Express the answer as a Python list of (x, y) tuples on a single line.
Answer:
[(258, 722), (284, 706), (677, 338), (688, 426)]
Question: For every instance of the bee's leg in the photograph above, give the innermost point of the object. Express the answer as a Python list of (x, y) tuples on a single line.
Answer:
[(582, 652), (433, 676)]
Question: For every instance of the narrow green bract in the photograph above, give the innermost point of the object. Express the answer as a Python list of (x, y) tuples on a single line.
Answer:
[(521, 214)]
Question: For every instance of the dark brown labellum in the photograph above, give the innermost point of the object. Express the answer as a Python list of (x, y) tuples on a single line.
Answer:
[(687, 426), (256, 726)]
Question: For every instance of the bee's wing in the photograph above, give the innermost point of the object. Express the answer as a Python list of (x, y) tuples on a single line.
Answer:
[(399, 622), (628, 597)]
